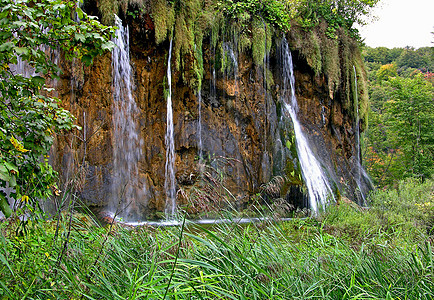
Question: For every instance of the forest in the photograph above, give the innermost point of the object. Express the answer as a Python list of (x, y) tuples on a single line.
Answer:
[(378, 248)]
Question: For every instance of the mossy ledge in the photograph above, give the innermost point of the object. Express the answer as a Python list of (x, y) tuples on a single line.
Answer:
[(253, 24)]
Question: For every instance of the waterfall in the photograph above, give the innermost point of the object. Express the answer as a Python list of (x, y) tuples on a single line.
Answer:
[(169, 183), (266, 160), (212, 82), (228, 49), (364, 183), (316, 182), (128, 196), (356, 103), (199, 128)]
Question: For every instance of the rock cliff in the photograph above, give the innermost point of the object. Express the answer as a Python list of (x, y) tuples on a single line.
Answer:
[(248, 150)]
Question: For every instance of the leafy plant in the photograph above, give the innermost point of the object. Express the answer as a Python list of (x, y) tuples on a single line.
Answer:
[(29, 115), (272, 11)]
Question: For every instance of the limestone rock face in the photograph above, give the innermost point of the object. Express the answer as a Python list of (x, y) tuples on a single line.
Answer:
[(247, 139)]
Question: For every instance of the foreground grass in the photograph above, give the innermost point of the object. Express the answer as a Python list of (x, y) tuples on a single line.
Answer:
[(385, 252)]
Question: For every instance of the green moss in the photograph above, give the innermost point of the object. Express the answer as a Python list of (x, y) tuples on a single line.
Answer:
[(309, 45), (252, 25), (312, 52), (258, 41), (244, 42), (269, 78), (362, 88), (184, 39), (330, 60), (163, 15), (108, 8)]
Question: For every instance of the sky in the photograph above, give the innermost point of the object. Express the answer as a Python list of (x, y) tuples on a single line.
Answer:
[(401, 23)]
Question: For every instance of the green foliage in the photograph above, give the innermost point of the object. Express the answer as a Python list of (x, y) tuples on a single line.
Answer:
[(410, 113), (164, 19), (384, 252), (403, 58), (29, 116), (386, 71), (404, 214), (331, 63), (399, 143), (337, 14), (409, 206), (271, 11), (381, 55), (417, 59), (108, 9), (258, 41)]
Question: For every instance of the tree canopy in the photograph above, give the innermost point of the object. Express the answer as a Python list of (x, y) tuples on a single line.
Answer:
[(400, 140)]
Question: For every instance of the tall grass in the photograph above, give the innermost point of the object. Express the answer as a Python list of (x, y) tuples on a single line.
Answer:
[(344, 254)]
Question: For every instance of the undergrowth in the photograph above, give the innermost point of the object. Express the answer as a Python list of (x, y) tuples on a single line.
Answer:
[(384, 252)]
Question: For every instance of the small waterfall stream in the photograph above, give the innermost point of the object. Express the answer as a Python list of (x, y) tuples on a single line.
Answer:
[(199, 129), (356, 103), (358, 162), (231, 54), (316, 182), (364, 183), (128, 196), (169, 183)]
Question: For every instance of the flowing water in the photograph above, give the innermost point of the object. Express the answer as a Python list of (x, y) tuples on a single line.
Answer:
[(364, 183), (356, 103), (233, 59), (128, 196), (199, 129), (314, 178), (169, 183), (358, 163)]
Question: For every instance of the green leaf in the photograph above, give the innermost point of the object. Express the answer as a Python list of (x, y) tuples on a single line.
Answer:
[(79, 13), (21, 50), (13, 181), (38, 80), (4, 173), (108, 46), (288, 144), (20, 24), (4, 206), (10, 167), (5, 47), (80, 37)]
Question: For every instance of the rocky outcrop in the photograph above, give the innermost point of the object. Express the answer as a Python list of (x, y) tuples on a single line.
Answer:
[(247, 140)]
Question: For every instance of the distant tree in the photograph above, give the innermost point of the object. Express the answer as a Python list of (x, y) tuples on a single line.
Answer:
[(410, 121), (410, 58), (386, 71), (382, 55)]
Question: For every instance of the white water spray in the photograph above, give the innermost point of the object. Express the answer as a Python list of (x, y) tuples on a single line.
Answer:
[(128, 196), (169, 182), (316, 182)]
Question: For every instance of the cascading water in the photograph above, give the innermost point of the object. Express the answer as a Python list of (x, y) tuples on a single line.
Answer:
[(356, 103), (212, 82), (128, 197), (363, 181), (229, 51), (358, 163), (266, 171), (316, 182), (199, 129), (169, 183)]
